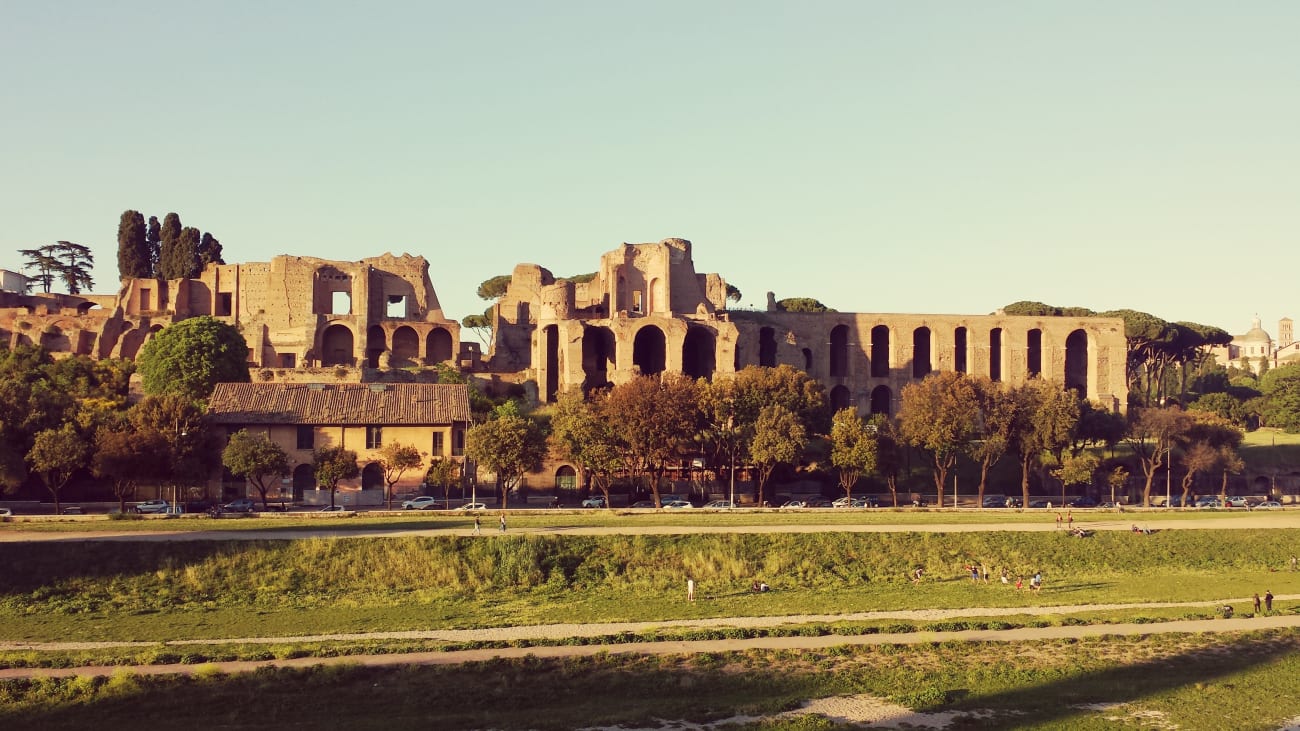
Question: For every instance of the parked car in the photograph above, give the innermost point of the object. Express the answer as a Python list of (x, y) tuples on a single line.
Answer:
[(1015, 502), (817, 502), (674, 504), (1083, 502), (423, 502), (996, 501), (870, 501), (6, 512), (718, 504), (1208, 501), (842, 502), (1237, 502), (643, 504), (1039, 503), (594, 502), (151, 506), (472, 506), (791, 504), (242, 505), (333, 509), (1269, 505)]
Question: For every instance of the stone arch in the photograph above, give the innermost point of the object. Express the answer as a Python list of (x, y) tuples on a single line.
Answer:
[(437, 347), (1034, 353), (598, 356), (839, 355), (406, 346), (551, 360), (336, 346), (698, 357), (921, 359), (881, 400), (649, 350), (840, 398), (959, 359), (372, 477), (995, 354), (1076, 362), (566, 478), (880, 351), (304, 479), (85, 307), (767, 347), (376, 344), (55, 340)]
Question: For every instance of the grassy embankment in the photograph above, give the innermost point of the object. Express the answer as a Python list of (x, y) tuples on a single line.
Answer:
[(1207, 682), (172, 591)]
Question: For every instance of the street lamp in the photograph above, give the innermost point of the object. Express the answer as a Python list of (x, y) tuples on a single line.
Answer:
[(1169, 470)]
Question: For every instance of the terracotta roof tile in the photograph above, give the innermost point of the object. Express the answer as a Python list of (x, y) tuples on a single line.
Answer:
[(339, 403)]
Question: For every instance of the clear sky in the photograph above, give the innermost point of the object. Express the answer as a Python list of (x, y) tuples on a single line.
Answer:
[(946, 157)]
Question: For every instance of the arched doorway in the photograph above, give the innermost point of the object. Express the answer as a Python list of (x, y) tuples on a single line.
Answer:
[(1076, 362), (880, 351), (376, 344), (881, 400), (438, 346), (840, 398), (921, 364), (304, 479), (566, 478), (648, 350), (839, 355), (406, 346), (697, 353), (336, 346), (597, 356), (551, 360), (959, 350), (372, 477), (767, 347)]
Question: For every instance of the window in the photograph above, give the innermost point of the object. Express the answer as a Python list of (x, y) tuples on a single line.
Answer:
[(636, 301), (374, 437), (437, 444), (144, 298), (287, 360), (306, 437), (458, 443), (225, 304)]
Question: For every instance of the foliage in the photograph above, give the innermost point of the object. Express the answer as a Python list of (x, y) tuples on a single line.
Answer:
[(133, 259), (192, 356), (508, 445), (1152, 435), (653, 419), (61, 260), (331, 465), (779, 437), (1076, 469), (256, 458), (853, 448), (192, 452), (127, 457), (801, 304), (995, 421), (494, 288), (1038, 309), (1046, 419), (1281, 390), (580, 435), (733, 293), (397, 459), (55, 455), (939, 414)]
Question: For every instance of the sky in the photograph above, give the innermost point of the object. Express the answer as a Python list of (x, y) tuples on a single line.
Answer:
[(925, 157)]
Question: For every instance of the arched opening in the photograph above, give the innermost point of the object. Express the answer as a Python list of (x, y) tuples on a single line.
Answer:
[(566, 478), (767, 347), (1034, 353), (921, 365), (995, 354), (881, 400), (839, 351), (840, 398), (959, 350), (376, 344), (53, 339), (648, 350), (437, 346), (697, 353), (85, 307), (807, 360), (304, 479), (880, 351), (551, 360), (372, 477), (406, 346), (597, 357), (1076, 362), (336, 346)]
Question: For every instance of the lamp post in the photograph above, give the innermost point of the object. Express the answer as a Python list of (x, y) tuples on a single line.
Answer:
[(1169, 470)]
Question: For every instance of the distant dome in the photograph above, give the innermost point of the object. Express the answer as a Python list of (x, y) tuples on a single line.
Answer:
[(1256, 334)]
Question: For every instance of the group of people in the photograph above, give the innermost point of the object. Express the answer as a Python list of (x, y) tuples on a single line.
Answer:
[(980, 572), (1268, 601)]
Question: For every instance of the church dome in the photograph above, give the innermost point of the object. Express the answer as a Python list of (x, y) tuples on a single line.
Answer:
[(1256, 334)]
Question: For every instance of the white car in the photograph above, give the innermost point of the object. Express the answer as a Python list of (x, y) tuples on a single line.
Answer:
[(1269, 505), (594, 502), (792, 504), (472, 506), (5, 512), (333, 509), (718, 504), (424, 502), (674, 504), (152, 506)]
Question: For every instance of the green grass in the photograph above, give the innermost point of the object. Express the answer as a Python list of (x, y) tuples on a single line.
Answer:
[(1197, 682)]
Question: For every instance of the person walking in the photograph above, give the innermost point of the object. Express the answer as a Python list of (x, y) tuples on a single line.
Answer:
[(1256, 602), (1268, 601), (502, 524), (1069, 519), (690, 590), (1293, 563), (1058, 521), (478, 526)]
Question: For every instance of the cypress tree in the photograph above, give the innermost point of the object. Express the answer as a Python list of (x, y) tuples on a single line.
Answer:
[(133, 260)]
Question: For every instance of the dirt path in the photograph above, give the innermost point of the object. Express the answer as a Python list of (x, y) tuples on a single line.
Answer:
[(681, 647), (1109, 522)]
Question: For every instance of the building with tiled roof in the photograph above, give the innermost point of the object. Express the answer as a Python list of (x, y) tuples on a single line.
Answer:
[(363, 417)]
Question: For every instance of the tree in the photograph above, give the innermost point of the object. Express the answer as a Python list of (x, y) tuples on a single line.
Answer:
[(209, 251), (153, 239), (397, 459), (55, 455), (938, 414), (580, 435), (733, 293), (1223, 405), (1118, 480), (43, 263), (443, 473), (1046, 418), (181, 259), (652, 418), (853, 448), (779, 437), (192, 356), (257, 459), (889, 452), (333, 464), (1280, 388), (996, 419), (192, 452), (494, 288), (133, 260), (62, 260), (126, 456), (801, 304), (1152, 435), (168, 264), (1076, 469), (507, 445)]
